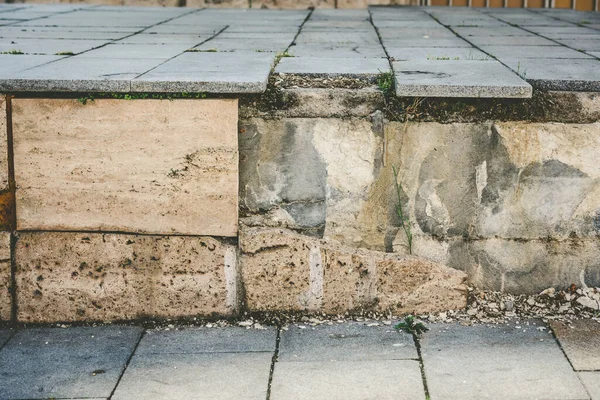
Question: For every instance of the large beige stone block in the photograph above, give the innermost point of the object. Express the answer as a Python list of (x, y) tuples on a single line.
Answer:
[(86, 277), (149, 166), (5, 277), (3, 143), (282, 270)]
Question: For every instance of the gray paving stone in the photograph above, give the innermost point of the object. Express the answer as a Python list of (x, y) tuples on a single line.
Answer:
[(374, 51), (482, 362), (357, 38), (196, 376), (332, 66), (74, 74), (557, 74), (5, 334), (511, 41), (209, 72), (208, 340), (522, 52), (348, 380), (594, 53), (49, 33), (385, 24), (247, 45), (142, 38), (436, 53), (11, 64), (582, 44), (416, 33), (426, 42), (207, 28), (591, 381), (499, 31), (65, 363), (458, 79), (136, 51), (580, 340), (49, 46), (345, 342), (558, 32)]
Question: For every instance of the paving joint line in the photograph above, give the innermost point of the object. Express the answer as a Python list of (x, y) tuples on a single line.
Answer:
[(421, 366), (13, 333), (112, 393), (273, 362), (387, 55)]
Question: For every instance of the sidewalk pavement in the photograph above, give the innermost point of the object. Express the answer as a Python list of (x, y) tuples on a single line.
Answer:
[(333, 360)]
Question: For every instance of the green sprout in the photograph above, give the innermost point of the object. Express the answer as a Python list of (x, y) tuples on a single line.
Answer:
[(411, 325)]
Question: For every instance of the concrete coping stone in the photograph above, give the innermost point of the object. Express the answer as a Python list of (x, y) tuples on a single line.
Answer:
[(72, 48)]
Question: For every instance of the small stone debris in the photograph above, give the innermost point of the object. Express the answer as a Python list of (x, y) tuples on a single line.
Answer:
[(290, 81), (491, 307)]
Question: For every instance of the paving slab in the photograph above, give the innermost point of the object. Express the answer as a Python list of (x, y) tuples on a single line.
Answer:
[(143, 38), (73, 74), (208, 340), (499, 31), (480, 362), (511, 41), (11, 64), (436, 53), (48, 46), (247, 45), (582, 44), (522, 52), (438, 32), (558, 74), (196, 376), (135, 51), (348, 380), (373, 51), (5, 334), (345, 342), (358, 66), (426, 42), (591, 381), (209, 72), (359, 38), (65, 363), (580, 340), (458, 79), (53, 33)]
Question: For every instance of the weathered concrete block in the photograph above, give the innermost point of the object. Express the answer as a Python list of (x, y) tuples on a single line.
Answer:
[(5, 277), (310, 168), (149, 166), (83, 277), (282, 270)]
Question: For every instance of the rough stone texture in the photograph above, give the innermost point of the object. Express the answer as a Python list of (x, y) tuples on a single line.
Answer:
[(217, 3), (580, 340), (282, 270), (305, 169), (3, 144), (79, 276), (486, 198), (293, 4), (148, 166), (5, 277), (491, 356), (65, 363)]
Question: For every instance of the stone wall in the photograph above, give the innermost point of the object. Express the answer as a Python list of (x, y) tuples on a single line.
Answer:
[(513, 204)]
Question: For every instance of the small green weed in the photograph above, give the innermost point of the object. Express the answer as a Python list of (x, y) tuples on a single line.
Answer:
[(411, 325), (64, 53), (385, 82), (279, 56), (85, 99), (13, 52), (520, 71), (584, 22), (404, 220)]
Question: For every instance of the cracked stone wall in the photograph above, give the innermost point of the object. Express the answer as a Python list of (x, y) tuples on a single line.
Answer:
[(516, 205)]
